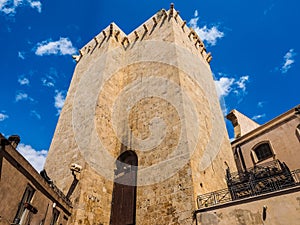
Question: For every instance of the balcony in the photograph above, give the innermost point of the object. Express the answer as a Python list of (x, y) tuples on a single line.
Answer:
[(255, 181)]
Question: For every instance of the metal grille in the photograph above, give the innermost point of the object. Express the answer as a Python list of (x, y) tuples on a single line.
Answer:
[(267, 178)]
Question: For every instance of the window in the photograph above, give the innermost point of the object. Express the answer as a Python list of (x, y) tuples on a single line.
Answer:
[(261, 152), (55, 215), (298, 132), (21, 216)]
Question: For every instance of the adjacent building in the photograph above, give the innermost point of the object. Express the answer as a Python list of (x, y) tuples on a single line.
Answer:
[(265, 188), (27, 197)]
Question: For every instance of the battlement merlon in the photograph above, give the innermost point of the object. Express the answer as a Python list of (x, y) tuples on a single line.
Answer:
[(147, 28)]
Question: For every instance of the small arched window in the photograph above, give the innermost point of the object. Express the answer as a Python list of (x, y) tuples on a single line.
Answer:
[(298, 132), (262, 152)]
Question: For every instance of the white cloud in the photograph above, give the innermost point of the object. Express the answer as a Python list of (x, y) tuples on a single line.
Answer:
[(35, 113), (196, 13), (59, 100), (5, 6), (23, 81), (35, 157), (266, 11), (260, 104), (37, 5), (256, 117), (9, 6), (48, 81), (21, 55), (61, 47), (194, 21), (209, 35), (241, 83), (22, 96), (224, 86), (3, 117), (288, 61)]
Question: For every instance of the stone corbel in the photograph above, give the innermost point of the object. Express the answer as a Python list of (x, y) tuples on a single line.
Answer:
[(76, 57), (164, 12), (96, 40), (202, 49), (117, 34), (136, 35), (104, 33), (208, 57), (145, 27), (89, 49), (81, 52), (125, 39), (176, 15), (171, 10), (192, 32), (183, 24), (154, 20), (197, 42), (111, 29)]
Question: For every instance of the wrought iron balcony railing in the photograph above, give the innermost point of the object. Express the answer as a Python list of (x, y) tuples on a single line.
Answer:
[(256, 181)]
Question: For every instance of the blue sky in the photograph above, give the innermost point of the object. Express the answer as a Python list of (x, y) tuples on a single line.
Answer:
[(255, 47)]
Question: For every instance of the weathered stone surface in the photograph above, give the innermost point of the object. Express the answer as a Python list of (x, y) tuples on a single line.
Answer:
[(154, 95)]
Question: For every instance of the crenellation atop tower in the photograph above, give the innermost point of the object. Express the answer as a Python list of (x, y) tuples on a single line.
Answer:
[(115, 34)]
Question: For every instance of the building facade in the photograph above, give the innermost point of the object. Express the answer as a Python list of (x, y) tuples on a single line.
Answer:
[(276, 139), (265, 189), (26, 197)]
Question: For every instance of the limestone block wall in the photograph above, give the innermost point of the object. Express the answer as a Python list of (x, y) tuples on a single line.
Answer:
[(151, 92)]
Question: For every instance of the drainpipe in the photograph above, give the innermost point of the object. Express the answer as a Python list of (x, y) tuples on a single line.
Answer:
[(14, 140)]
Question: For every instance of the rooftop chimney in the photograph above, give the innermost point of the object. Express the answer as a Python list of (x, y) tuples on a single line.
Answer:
[(14, 140), (241, 123)]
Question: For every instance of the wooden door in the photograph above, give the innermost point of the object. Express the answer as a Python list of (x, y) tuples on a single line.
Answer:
[(124, 192)]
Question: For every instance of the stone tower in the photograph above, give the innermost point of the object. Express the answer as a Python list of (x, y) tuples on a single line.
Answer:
[(143, 120)]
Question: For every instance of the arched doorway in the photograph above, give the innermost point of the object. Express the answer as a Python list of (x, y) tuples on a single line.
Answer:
[(123, 204)]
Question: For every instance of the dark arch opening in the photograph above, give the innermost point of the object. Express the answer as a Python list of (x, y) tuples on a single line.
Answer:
[(123, 206)]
